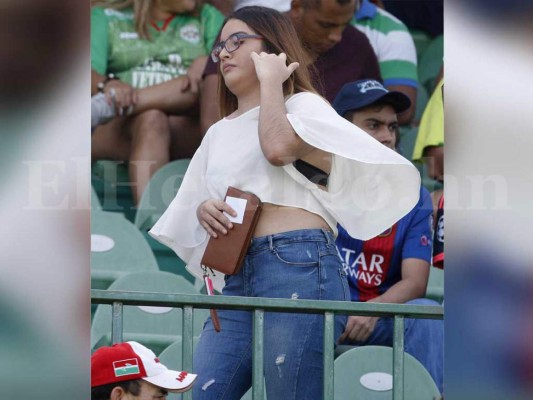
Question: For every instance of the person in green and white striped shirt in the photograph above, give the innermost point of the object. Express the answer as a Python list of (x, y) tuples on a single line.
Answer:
[(395, 50)]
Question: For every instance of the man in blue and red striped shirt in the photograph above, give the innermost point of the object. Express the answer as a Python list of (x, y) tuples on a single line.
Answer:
[(394, 266)]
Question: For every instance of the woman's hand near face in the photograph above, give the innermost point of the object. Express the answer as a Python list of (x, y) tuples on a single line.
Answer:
[(211, 217), (272, 69)]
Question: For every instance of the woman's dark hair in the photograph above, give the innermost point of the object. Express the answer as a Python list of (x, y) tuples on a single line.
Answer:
[(103, 392), (279, 36)]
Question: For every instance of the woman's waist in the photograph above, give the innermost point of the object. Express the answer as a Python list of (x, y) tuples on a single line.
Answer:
[(277, 219), (306, 235)]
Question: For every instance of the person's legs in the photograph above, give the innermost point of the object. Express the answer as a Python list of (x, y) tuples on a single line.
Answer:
[(294, 265), (297, 265), (158, 138), (150, 143), (110, 142), (223, 360), (185, 137)]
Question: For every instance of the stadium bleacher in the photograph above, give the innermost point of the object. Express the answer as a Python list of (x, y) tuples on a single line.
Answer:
[(366, 373), (154, 327), (117, 248)]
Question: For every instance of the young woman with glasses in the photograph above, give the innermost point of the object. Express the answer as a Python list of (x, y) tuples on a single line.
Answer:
[(312, 169)]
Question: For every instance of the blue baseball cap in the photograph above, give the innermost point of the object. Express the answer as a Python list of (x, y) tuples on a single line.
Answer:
[(359, 94)]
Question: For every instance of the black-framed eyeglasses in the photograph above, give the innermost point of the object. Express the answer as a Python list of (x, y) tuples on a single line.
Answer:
[(232, 43)]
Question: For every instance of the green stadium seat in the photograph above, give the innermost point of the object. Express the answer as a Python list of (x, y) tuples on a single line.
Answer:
[(431, 63), (159, 193), (117, 248), (171, 357), (116, 172), (112, 184), (168, 261), (435, 287), (154, 327), (366, 373)]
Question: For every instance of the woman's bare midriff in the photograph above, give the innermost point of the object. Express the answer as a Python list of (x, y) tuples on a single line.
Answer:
[(277, 219)]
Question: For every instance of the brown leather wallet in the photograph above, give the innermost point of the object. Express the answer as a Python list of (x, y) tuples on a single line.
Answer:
[(226, 253)]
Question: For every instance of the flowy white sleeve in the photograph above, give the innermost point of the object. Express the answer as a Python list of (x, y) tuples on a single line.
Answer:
[(370, 186), (178, 227)]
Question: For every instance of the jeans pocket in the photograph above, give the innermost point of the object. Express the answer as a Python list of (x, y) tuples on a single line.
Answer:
[(302, 254)]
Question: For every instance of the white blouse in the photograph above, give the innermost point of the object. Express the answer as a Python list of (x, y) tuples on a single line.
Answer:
[(370, 186)]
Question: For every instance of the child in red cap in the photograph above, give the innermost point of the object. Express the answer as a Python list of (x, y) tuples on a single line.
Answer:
[(131, 368)]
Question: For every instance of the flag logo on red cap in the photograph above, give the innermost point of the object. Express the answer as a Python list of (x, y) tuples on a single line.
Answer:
[(126, 367)]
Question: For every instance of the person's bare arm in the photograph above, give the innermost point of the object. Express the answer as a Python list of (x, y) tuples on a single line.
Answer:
[(168, 96), (208, 102), (279, 142), (415, 273), (406, 117)]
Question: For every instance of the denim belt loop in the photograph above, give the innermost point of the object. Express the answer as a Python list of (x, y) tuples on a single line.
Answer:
[(327, 234), (270, 242)]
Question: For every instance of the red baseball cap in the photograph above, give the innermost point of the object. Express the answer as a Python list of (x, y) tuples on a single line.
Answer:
[(131, 360)]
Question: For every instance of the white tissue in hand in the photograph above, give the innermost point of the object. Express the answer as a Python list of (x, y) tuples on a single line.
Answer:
[(239, 205)]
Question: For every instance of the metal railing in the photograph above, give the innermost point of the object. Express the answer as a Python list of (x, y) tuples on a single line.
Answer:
[(187, 302)]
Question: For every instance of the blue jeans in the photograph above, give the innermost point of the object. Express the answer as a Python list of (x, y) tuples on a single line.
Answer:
[(423, 339), (301, 264)]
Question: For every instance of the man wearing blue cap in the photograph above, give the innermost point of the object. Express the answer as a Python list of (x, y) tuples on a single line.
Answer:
[(394, 266)]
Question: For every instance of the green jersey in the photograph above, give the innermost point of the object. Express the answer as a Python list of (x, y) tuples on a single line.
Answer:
[(175, 43)]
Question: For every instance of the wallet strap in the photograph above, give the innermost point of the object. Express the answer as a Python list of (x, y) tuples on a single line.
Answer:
[(211, 292)]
